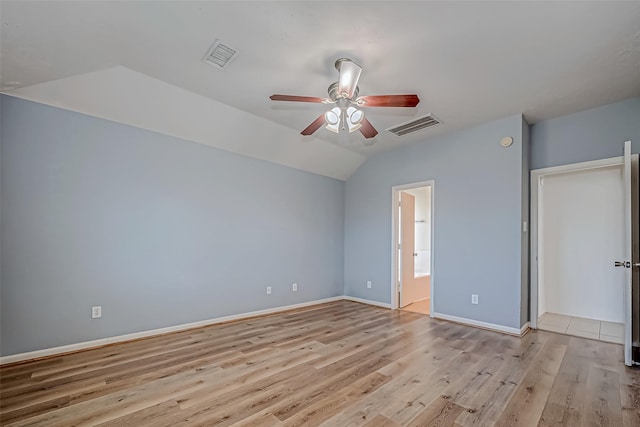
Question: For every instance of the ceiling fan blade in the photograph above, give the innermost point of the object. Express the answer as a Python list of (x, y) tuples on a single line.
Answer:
[(317, 124), (349, 76), (367, 129), (389, 100), (295, 98)]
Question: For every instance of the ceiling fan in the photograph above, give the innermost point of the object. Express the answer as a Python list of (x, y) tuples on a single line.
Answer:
[(347, 114)]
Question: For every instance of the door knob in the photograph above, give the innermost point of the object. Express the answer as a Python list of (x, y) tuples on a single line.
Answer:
[(625, 264)]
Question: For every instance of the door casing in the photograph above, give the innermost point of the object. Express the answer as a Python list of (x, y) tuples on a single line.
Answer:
[(536, 180), (395, 204)]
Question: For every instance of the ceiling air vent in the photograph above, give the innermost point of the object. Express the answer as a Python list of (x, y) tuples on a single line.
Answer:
[(219, 54), (415, 125)]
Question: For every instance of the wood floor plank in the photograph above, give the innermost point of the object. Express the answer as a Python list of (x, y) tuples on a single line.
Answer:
[(566, 402), (35, 409), (115, 405), (441, 412), (468, 379), (265, 373), (459, 376), (527, 404), (603, 397), (498, 390), (150, 415), (125, 368), (401, 397), (381, 421), (335, 364), (630, 400), (123, 371), (334, 402), (338, 375), (259, 420), (232, 410)]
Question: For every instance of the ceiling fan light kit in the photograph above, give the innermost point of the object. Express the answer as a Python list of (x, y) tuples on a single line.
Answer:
[(343, 119), (346, 115)]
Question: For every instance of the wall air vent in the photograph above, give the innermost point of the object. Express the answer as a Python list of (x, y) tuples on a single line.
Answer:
[(219, 55), (414, 125)]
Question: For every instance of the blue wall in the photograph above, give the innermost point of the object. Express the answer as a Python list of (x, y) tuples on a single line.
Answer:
[(598, 133), (157, 230), (162, 232), (477, 234)]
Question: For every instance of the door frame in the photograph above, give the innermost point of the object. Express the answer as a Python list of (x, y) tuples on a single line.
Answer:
[(395, 223), (537, 176)]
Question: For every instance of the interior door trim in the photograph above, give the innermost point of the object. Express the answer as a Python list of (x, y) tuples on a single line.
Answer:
[(537, 177), (395, 200)]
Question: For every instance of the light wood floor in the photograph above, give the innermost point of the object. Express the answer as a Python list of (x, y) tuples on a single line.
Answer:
[(421, 306), (339, 364)]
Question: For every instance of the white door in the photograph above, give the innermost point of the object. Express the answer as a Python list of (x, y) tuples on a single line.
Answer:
[(407, 248), (627, 262)]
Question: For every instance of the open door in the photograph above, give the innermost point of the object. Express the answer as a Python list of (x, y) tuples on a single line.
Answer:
[(635, 259), (407, 246), (412, 281), (631, 263)]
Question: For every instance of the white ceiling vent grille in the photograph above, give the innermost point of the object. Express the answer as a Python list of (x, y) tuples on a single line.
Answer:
[(414, 125), (219, 55)]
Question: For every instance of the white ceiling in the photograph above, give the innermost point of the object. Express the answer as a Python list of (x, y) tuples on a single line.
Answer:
[(470, 62)]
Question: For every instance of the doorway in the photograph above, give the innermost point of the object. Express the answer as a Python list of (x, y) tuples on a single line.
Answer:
[(413, 247), (578, 230)]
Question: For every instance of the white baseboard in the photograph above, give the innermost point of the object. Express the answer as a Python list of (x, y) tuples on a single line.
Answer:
[(13, 358), (128, 337), (367, 301), (484, 325)]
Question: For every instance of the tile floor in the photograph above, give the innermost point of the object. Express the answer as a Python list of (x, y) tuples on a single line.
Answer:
[(581, 327)]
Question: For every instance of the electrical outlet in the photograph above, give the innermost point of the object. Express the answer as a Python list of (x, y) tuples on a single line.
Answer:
[(268, 290), (96, 312), (294, 287), (368, 284), (474, 299)]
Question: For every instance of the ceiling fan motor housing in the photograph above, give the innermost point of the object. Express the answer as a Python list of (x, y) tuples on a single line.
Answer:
[(334, 94), (339, 61)]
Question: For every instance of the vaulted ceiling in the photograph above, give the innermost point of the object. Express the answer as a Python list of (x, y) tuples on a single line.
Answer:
[(140, 63)]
